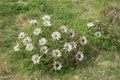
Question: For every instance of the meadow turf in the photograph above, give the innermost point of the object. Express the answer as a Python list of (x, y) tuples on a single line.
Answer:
[(16, 14)]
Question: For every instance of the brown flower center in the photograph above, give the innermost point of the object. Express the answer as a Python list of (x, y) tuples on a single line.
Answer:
[(83, 40), (79, 56), (57, 65), (56, 53), (36, 58)]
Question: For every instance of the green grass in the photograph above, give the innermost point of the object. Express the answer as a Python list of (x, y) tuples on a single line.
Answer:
[(14, 18)]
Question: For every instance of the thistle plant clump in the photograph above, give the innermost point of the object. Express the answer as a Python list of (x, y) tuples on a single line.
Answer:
[(50, 48)]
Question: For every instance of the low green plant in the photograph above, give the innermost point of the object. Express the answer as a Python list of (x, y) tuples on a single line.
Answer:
[(49, 48)]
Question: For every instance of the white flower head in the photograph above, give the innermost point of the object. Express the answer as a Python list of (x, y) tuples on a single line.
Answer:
[(71, 33), (16, 48), (83, 40), (79, 56), (57, 65), (68, 47), (27, 40), (46, 18), (74, 44), (56, 35), (37, 31), (33, 22), (36, 58), (29, 47), (63, 29), (97, 34), (42, 41), (21, 35), (90, 25), (56, 53), (44, 49), (47, 23)]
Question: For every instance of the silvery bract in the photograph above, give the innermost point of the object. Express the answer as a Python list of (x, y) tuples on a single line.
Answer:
[(47, 23), (44, 49), (21, 35), (33, 22), (97, 34), (37, 31), (42, 41), (46, 18), (83, 40), (74, 44), (56, 35), (71, 33), (27, 40), (36, 58), (16, 48), (57, 65), (29, 47), (56, 53), (63, 29), (68, 47), (79, 56), (90, 25)]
